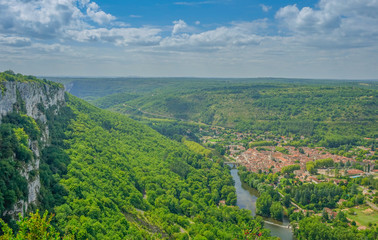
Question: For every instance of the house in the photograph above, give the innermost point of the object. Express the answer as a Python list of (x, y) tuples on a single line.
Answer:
[(308, 212), (340, 202), (331, 214), (354, 172), (299, 172), (313, 179), (338, 181)]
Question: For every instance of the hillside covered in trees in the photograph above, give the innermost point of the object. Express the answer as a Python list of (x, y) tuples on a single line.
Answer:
[(330, 113), (106, 176)]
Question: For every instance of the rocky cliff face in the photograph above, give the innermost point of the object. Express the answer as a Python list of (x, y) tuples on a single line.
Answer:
[(34, 99), (33, 95)]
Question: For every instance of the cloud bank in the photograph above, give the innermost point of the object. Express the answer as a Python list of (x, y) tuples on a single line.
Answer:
[(346, 29), (336, 23)]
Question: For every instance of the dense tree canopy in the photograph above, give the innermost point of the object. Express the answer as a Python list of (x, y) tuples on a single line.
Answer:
[(328, 113), (105, 176)]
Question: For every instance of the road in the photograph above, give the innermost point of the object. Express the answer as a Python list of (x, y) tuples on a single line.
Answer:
[(292, 202), (167, 116), (372, 205)]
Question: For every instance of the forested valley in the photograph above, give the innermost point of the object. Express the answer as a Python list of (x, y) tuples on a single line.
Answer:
[(106, 176), (329, 113), (312, 141)]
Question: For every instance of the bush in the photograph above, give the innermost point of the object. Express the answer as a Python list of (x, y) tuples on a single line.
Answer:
[(34, 227)]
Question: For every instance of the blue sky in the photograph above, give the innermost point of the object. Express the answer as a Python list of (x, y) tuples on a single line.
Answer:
[(220, 12), (203, 38)]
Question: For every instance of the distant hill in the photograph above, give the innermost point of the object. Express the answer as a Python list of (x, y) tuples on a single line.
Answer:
[(329, 112), (94, 88)]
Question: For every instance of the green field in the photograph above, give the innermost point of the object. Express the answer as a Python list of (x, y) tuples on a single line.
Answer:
[(364, 215)]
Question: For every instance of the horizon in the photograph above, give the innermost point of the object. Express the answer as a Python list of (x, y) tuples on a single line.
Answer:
[(215, 78)]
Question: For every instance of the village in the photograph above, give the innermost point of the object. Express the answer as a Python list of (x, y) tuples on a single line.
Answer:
[(268, 159), (240, 148)]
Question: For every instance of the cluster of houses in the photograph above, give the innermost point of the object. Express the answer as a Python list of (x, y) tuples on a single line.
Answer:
[(267, 159), (255, 160), (235, 150)]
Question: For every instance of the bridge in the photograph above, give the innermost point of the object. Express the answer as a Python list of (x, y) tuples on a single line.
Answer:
[(278, 225), (234, 164)]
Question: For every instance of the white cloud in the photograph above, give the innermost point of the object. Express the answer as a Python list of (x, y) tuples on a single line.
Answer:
[(179, 26), (15, 41), (337, 36), (48, 19), (83, 3), (39, 18), (265, 8), (239, 34), (97, 15), (24, 21), (334, 23), (343, 23), (49, 48), (119, 36)]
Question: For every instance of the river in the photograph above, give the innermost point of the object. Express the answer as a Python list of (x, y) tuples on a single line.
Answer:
[(246, 198)]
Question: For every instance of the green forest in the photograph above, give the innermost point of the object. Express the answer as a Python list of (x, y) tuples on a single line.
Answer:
[(106, 176)]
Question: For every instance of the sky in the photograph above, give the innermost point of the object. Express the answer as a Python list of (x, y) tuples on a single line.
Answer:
[(327, 39)]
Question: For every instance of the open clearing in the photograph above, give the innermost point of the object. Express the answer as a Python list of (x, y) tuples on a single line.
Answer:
[(364, 215)]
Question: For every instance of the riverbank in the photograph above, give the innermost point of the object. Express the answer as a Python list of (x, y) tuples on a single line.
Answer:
[(247, 197)]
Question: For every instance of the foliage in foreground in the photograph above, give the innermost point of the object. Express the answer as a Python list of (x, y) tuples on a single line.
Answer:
[(124, 179), (34, 227), (313, 227)]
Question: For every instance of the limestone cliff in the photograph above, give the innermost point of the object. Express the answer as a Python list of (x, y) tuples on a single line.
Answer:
[(33, 99)]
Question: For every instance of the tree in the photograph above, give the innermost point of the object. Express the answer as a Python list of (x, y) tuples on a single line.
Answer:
[(337, 172), (348, 163), (310, 166), (321, 163), (290, 168), (354, 189), (231, 199), (263, 204), (220, 149), (312, 228), (341, 217), (276, 210), (286, 200), (33, 228), (325, 215), (359, 199)]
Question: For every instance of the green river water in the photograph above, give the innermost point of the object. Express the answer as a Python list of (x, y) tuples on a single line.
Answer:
[(246, 198)]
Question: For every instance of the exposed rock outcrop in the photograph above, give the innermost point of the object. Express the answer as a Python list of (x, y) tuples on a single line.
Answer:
[(33, 99)]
